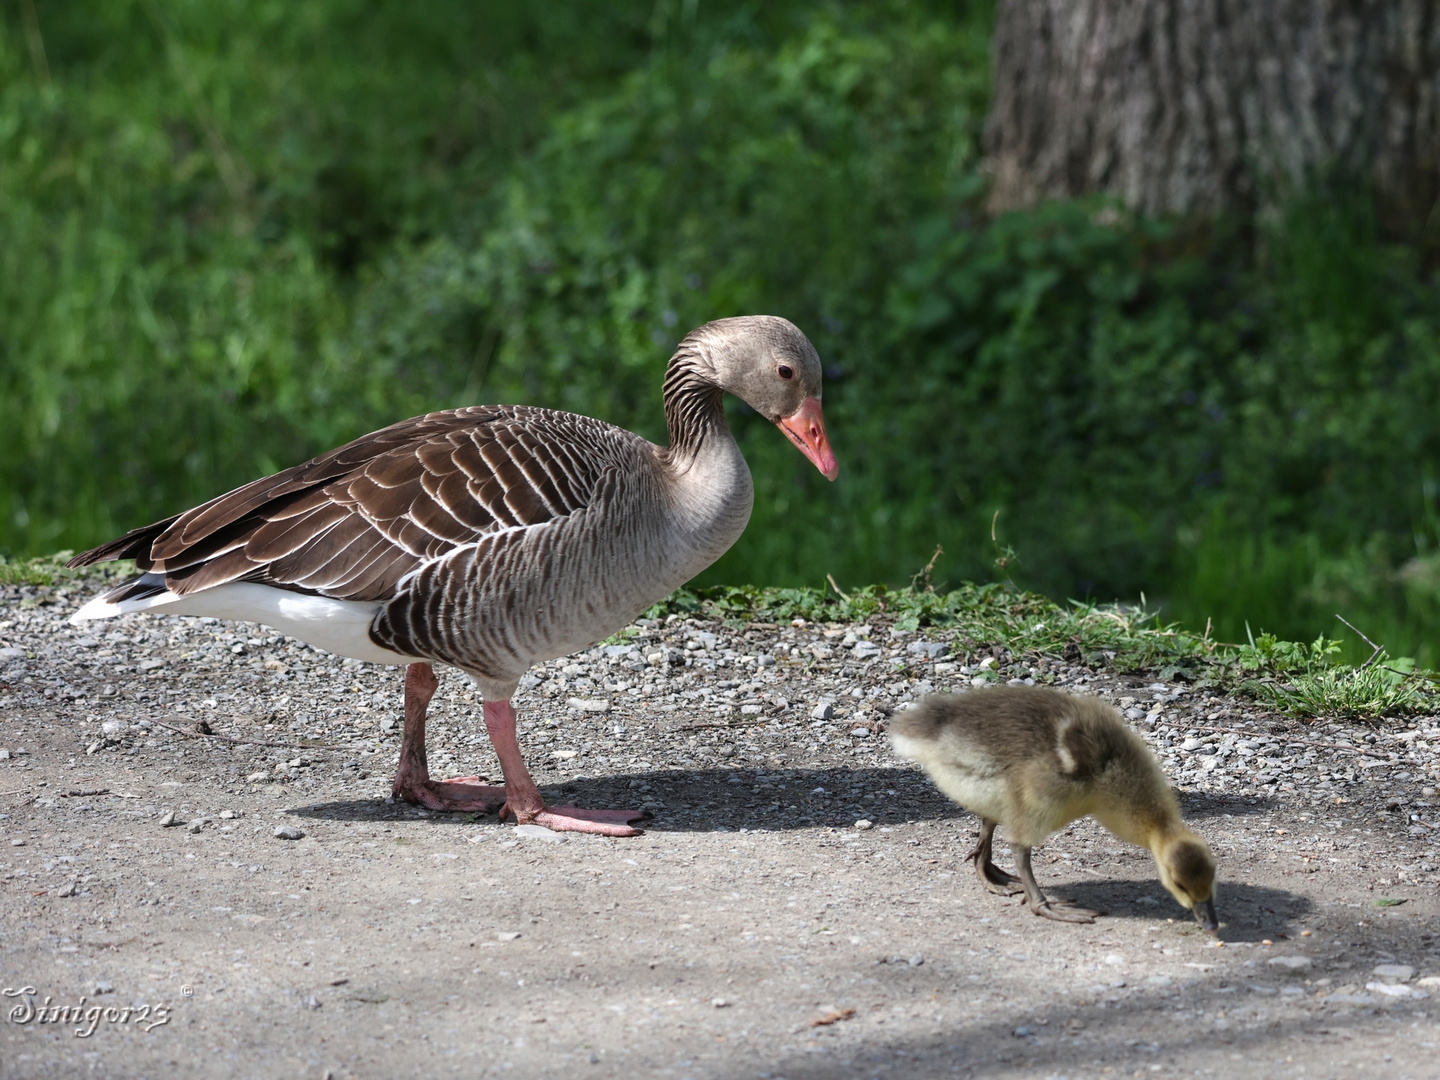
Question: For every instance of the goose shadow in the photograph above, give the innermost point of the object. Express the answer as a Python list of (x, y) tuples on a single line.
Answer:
[(715, 800)]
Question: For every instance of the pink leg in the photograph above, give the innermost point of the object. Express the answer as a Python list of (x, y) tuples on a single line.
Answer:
[(412, 778), (523, 797)]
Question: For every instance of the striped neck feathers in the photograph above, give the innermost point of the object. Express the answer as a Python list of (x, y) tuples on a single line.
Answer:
[(693, 403)]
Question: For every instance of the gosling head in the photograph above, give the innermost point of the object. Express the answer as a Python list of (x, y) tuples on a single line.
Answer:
[(1187, 869)]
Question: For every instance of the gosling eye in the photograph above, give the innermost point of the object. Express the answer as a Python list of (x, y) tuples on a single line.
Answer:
[(785, 371)]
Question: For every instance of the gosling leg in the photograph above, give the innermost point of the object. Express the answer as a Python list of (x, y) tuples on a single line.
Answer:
[(991, 876), (1059, 910)]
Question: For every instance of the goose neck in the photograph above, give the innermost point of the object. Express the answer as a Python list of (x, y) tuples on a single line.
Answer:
[(694, 413)]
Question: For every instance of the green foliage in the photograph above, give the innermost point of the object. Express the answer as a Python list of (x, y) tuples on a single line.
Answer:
[(238, 233)]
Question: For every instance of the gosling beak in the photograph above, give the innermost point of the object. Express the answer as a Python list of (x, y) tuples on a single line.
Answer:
[(805, 427), (1205, 916)]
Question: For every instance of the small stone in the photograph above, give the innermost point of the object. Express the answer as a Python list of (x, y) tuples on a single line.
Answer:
[(720, 1003), (151, 665), (864, 823), (507, 935), (104, 988), (928, 649), (1160, 980), (1114, 959), (916, 960), (287, 832), (69, 890), (751, 710), (1023, 1032), (861, 733), (196, 825), (1388, 989), (168, 819), (1289, 963), (823, 711), (538, 832), (1394, 973), (111, 728), (4, 754), (228, 815), (765, 660), (257, 777), (588, 705)]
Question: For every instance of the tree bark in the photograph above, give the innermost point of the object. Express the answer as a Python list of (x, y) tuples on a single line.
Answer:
[(1186, 106)]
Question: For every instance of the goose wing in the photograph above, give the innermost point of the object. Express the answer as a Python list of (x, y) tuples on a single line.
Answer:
[(352, 523)]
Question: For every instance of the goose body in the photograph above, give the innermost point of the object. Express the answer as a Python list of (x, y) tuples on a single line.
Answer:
[(1033, 759), (486, 538)]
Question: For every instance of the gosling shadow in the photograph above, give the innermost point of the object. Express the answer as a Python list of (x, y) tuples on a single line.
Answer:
[(1247, 912)]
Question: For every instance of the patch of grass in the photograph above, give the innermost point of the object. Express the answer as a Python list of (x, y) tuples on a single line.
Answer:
[(1304, 680), (989, 615), (51, 570), (1368, 692)]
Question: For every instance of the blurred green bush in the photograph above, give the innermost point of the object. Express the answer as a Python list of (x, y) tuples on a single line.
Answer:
[(234, 234)]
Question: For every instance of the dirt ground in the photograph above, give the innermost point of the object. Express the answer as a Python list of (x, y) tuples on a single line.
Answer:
[(753, 931)]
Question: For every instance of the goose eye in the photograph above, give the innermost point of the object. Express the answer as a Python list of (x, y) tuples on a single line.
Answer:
[(785, 372)]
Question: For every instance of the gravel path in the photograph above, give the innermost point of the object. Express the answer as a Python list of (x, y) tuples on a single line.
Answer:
[(755, 930)]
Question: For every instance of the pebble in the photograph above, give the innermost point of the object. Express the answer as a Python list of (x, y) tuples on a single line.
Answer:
[(17, 843), (104, 988), (720, 1003), (288, 832), (538, 832), (588, 705), (507, 935), (168, 819), (1289, 963), (916, 960), (196, 825), (1023, 1032), (823, 711), (1391, 989), (257, 777), (864, 823), (928, 649), (1393, 973)]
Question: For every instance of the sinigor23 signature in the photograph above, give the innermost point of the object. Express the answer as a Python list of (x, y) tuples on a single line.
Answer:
[(89, 1017)]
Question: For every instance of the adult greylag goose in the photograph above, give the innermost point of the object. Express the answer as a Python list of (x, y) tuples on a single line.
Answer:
[(1035, 759), (486, 538)]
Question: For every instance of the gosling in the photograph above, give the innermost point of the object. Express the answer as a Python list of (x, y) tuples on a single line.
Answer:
[(1034, 760)]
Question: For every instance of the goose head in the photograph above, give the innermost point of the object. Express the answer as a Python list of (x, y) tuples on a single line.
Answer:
[(768, 363), (1187, 869)]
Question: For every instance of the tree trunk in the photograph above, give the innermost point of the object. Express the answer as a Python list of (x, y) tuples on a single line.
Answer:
[(1185, 106)]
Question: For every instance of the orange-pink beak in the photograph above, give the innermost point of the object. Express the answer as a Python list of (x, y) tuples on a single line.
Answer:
[(805, 427)]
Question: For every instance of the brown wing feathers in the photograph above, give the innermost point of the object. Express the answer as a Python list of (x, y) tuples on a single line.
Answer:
[(351, 523)]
